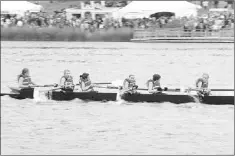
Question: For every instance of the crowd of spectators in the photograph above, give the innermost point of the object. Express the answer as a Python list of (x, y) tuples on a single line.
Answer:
[(210, 21), (59, 20)]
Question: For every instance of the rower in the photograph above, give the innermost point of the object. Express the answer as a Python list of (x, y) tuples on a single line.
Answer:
[(202, 85), (154, 85), (129, 84), (66, 81), (24, 80), (85, 83)]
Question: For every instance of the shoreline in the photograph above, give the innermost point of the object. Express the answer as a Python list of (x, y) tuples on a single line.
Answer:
[(66, 34), (185, 40), (110, 35)]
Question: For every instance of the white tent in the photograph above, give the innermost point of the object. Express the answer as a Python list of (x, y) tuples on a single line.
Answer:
[(145, 8), (19, 7)]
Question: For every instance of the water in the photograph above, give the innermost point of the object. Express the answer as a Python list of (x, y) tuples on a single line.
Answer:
[(78, 127)]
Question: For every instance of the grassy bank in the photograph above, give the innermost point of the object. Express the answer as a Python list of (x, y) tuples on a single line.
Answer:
[(65, 34)]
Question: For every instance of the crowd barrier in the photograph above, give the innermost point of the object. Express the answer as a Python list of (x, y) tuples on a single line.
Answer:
[(180, 33)]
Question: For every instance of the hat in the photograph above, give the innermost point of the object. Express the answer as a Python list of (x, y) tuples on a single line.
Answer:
[(84, 75), (156, 77), (205, 75)]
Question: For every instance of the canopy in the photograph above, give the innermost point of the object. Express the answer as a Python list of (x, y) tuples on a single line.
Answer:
[(145, 8), (18, 7)]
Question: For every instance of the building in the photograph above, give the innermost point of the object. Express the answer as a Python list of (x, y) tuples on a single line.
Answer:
[(91, 9), (215, 3)]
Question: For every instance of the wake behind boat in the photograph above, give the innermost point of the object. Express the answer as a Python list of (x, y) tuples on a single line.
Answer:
[(60, 95)]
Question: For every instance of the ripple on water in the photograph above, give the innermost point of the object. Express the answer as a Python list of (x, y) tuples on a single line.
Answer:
[(79, 127)]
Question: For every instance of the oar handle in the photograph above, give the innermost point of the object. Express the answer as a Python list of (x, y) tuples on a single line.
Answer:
[(142, 89), (102, 83), (195, 89), (48, 90), (167, 89), (164, 89), (50, 85), (222, 89), (108, 87), (3, 94)]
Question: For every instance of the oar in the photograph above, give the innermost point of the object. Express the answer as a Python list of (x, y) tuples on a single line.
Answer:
[(33, 86), (108, 87), (195, 89), (50, 85), (168, 89), (55, 85), (100, 83), (222, 89), (116, 83), (3, 94), (37, 92), (51, 89), (113, 87)]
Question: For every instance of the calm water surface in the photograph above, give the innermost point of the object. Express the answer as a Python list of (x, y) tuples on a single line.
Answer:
[(77, 127)]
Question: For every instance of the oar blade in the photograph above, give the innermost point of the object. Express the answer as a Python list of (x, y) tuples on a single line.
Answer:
[(173, 90), (103, 83), (40, 94), (8, 94), (36, 94), (222, 90)]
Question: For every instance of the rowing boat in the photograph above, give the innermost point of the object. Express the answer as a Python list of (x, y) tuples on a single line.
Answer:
[(93, 96), (178, 99), (21, 93), (160, 97), (59, 95), (218, 100)]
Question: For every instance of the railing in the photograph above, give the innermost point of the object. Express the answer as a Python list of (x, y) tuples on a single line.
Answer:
[(179, 33)]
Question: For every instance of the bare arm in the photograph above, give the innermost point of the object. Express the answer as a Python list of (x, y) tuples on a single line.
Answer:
[(62, 81), (85, 88), (198, 83), (156, 87), (150, 90), (21, 85), (33, 83), (125, 85)]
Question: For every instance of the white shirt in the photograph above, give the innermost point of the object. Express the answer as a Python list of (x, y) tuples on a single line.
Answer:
[(19, 23), (205, 3)]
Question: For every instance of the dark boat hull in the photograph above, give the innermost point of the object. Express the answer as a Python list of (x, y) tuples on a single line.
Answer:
[(93, 96), (218, 100), (177, 99), (22, 93), (64, 96)]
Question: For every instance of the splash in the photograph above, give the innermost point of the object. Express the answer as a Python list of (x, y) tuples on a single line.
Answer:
[(40, 95)]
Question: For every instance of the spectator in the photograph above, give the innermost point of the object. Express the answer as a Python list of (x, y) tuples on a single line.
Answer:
[(205, 4), (19, 23), (210, 22)]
